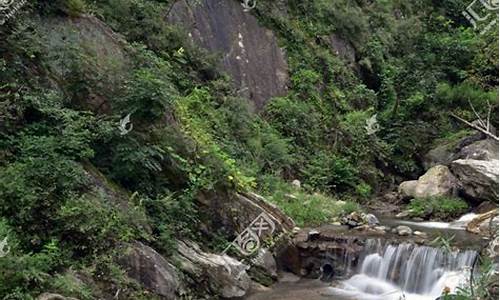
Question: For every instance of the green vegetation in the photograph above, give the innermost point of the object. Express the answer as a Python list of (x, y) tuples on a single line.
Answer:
[(72, 189), (304, 208), (445, 208)]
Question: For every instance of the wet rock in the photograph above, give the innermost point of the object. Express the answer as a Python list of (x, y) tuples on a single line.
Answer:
[(312, 235), (420, 234), (225, 276), (352, 220), (489, 225), (265, 260), (249, 52), (437, 181), (478, 178), (403, 230), (484, 223), (371, 219), (356, 219), (382, 228), (150, 269), (403, 214)]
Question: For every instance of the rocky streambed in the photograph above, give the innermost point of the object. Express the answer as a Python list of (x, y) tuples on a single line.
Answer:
[(379, 262)]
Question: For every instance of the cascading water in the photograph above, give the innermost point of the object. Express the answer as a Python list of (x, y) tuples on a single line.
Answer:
[(406, 271)]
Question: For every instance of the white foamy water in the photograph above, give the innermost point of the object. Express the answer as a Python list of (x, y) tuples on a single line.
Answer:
[(415, 272), (459, 224)]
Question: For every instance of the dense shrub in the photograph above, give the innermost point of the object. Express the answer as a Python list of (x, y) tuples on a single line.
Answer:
[(438, 207)]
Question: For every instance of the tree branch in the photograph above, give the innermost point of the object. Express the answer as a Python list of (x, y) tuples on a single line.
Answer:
[(474, 126)]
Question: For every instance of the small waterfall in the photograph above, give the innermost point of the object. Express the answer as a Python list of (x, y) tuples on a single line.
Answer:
[(406, 271)]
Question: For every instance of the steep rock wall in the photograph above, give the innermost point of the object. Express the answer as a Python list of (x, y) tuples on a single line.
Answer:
[(250, 52)]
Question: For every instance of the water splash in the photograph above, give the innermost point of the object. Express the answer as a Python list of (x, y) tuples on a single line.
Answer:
[(407, 271)]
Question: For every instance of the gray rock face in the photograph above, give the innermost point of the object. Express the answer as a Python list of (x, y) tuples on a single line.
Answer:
[(343, 49), (478, 178), (470, 147), (227, 277), (103, 47), (149, 268), (444, 154), (480, 150), (265, 260), (438, 181), (441, 155), (250, 53), (234, 212)]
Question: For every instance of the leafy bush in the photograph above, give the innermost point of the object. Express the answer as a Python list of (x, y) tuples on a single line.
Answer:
[(171, 216), (73, 8), (438, 207), (23, 274), (295, 119), (330, 173)]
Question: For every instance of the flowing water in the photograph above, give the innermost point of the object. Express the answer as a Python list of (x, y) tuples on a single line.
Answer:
[(389, 271), (406, 271)]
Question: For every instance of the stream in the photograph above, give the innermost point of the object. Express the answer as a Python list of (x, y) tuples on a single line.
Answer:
[(386, 270)]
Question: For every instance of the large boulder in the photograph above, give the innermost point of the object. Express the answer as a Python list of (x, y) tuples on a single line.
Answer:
[(103, 53), (265, 260), (478, 178), (437, 181), (151, 270), (474, 146), (480, 150), (249, 52), (407, 189), (441, 155), (232, 213), (224, 275)]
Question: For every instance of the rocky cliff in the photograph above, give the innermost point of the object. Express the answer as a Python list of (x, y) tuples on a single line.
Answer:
[(247, 51)]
